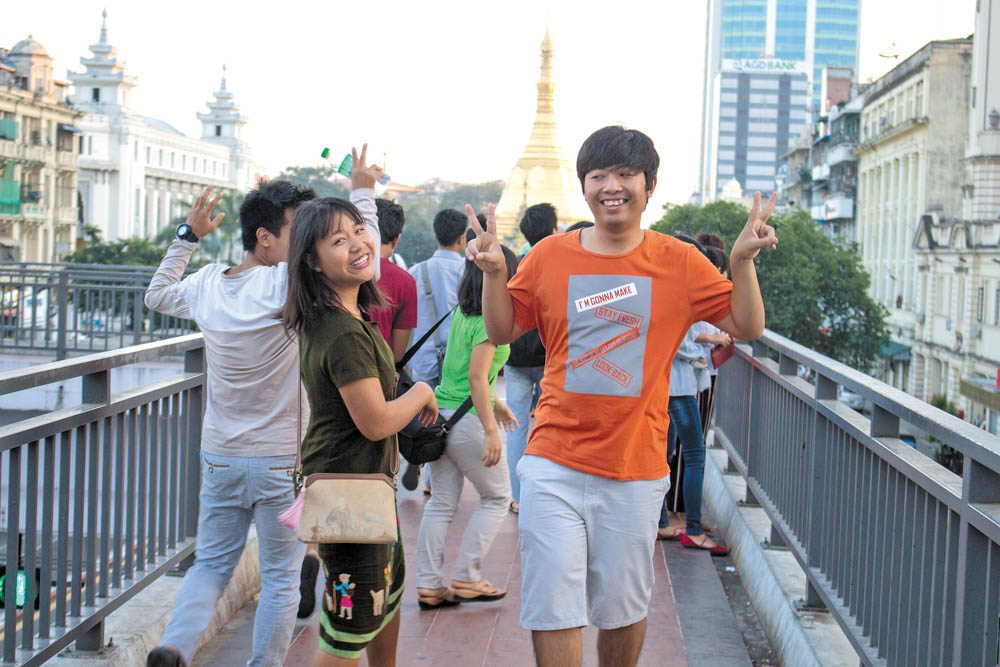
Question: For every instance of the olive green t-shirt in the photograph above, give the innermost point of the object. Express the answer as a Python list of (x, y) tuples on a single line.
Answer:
[(465, 333), (342, 350)]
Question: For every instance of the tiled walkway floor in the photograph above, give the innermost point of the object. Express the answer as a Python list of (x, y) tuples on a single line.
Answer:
[(489, 634)]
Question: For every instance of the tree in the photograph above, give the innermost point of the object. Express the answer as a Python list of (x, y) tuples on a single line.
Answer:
[(132, 251), (814, 288), (317, 178)]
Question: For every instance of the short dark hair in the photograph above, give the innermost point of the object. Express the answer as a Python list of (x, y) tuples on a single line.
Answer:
[(583, 224), (615, 146), (309, 293), (470, 287), (449, 225), (391, 219), (265, 207), (718, 257), (538, 222), (711, 240)]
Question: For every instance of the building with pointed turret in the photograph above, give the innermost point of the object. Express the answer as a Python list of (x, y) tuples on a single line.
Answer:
[(137, 173), (543, 174), (38, 157)]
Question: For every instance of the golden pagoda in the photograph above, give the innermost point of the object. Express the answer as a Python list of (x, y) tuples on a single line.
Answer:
[(543, 174)]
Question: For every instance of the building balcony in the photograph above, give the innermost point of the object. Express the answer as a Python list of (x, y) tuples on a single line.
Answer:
[(67, 159), (841, 153), (817, 213), (838, 207), (35, 153), (37, 212), (8, 149), (66, 215), (821, 172)]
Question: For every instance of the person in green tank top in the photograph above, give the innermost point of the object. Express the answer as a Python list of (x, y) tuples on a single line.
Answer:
[(474, 451), (350, 378)]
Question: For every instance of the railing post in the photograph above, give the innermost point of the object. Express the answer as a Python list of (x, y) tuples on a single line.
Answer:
[(975, 628), (826, 390), (137, 316), (97, 387), (750, 459), (194, 362), (62, 304), (92, 639)]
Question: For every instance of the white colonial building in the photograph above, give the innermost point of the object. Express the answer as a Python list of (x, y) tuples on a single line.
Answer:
[(138, 173), (913, 130), (957, 347)]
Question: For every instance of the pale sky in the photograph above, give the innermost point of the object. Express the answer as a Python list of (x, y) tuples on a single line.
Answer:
[(443, 88)]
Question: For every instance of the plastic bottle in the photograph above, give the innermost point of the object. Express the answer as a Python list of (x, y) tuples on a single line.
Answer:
[(347, 164)]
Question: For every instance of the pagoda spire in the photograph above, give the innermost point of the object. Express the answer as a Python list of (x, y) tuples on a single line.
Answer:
[(542, 174), (104, 27)]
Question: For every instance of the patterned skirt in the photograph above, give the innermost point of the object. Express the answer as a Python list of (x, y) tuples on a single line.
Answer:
[(364, 587)]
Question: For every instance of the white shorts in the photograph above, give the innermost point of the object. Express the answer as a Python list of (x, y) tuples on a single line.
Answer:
[(586, 546)]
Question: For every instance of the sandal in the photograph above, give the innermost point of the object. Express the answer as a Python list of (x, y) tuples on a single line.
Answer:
[(436, 598), (717, 550), (668, 533), (477, 591)]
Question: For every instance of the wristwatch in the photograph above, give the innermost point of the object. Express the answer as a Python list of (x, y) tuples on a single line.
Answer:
[(185, 233)]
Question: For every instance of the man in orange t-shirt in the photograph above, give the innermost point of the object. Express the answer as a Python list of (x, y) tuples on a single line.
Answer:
[(611, 304)]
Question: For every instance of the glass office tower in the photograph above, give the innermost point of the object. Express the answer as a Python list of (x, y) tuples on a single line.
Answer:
[(818, 33)]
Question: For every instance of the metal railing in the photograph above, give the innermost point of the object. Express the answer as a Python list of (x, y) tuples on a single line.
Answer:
[(903, 552), (101, 498), (79, 308)]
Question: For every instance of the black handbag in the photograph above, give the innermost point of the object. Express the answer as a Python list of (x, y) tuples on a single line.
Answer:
[(418, 443)]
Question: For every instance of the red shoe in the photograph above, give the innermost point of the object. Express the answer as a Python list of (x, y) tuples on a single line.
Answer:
[(717, 550)]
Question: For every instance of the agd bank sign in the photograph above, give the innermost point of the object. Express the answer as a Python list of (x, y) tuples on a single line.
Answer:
[(765, 66)]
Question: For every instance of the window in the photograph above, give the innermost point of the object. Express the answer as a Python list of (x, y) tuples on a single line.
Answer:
[(149, 155), (996, 305), (161, 157), (194, 164), (172, 156), (981, 303), (81, 145), (135, 151), (218, 130), (95, 94), (919, 100), (90, 145), (184, 162)]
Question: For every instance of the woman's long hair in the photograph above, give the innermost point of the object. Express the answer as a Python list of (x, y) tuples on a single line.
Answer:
[(309, 293), (470, 287)]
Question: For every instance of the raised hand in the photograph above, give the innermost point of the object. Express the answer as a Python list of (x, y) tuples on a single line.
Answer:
[(756, 234), (363, 175), (485, 249), (200, 216)]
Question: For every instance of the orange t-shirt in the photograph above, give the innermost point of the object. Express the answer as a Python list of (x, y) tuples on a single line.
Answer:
[(611, 325)]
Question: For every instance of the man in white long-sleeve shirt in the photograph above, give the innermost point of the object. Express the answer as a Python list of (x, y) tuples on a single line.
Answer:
[(249, 434)]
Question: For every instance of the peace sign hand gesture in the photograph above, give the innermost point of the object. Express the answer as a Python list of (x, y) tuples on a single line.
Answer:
[(485, 249), (757, 234), (199, 218), (363, 175)]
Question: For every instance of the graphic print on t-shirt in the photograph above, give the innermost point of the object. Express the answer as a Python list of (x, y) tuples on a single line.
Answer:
[(607, 321)]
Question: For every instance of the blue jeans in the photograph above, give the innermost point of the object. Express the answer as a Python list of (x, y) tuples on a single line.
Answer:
[(685, 422), (234, 490), (523, 391)]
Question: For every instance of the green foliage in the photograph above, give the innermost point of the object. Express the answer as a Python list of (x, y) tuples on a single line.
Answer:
[(814, 287), (720, 217), (317, 178), (130, 252)]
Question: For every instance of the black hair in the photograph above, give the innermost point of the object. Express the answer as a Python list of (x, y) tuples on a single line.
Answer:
[(265, 207), (718, 257), (711, 240), (470, 287), (309, 293), (538, 222), (583, 224), (692, 241), (470, 234), (614, 146), (449, 225), (391, 219)]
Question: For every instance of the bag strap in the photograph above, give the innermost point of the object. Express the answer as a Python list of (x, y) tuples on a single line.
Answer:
[(423, 339), (429, 295), (464, 408)]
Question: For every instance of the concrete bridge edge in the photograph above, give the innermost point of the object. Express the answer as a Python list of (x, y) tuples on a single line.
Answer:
[(774, 611)]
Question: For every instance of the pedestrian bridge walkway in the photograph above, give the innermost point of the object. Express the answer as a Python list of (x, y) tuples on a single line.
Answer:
[(100, 499), (476, 633)]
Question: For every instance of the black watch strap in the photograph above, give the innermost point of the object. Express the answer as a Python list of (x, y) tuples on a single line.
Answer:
[(185, 233)]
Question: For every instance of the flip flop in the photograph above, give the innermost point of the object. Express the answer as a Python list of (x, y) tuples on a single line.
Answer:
[(477, 591), (441, 597), (674, 534)]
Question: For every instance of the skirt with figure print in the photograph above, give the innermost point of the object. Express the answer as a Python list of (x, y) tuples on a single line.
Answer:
[(364, 587)]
